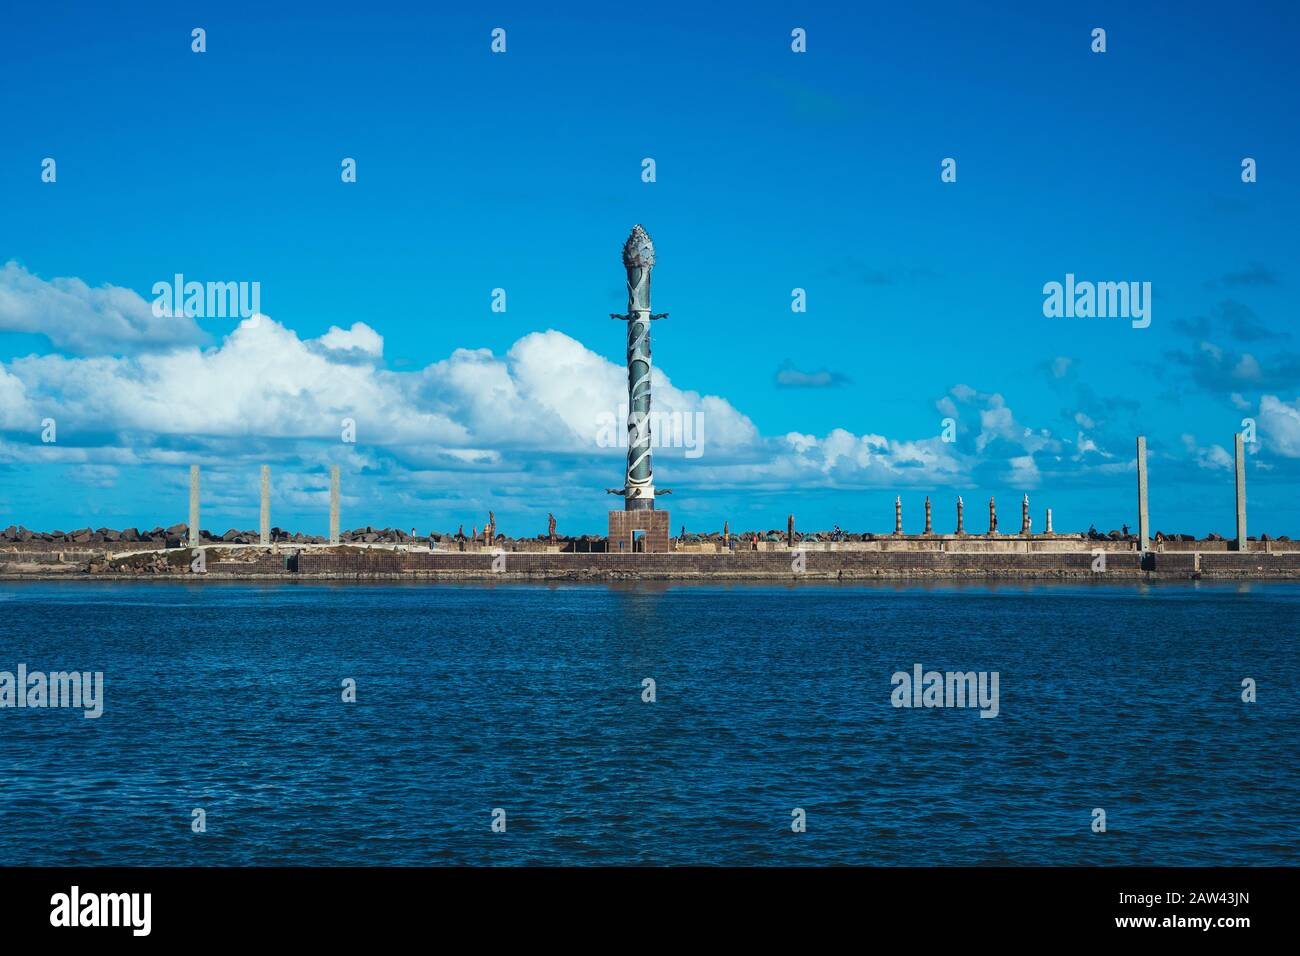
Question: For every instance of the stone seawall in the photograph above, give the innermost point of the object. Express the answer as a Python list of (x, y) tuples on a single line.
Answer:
[(833, 565), (382, 564)]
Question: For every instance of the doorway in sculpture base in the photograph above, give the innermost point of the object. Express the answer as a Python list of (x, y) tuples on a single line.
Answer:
[(624, 524)]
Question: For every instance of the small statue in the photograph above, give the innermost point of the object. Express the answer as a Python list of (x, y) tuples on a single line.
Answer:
[(550, 527)]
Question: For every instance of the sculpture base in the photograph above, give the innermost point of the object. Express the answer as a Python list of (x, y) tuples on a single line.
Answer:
[(624, 524)]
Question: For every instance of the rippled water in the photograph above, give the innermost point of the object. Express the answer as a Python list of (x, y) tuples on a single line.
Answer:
[(528, 698)]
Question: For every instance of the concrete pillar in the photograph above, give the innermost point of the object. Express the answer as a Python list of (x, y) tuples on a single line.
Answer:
[(194, 505), (334, 504), (1026, 523), (1240, 451), (1049, 521), (264, 532), (1144, 518), (928, 528), (789, 531), (960, 529), (898, 515), (993, 516)]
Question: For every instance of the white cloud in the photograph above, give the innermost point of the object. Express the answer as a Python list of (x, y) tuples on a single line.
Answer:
[(264, 382), (1247, 368), (1023, 472), (532, 415), (79, 319), (360, 338), (1279, 425), (1214, 458), (15, 411)]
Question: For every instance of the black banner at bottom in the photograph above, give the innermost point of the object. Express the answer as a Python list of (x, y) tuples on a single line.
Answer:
[(210, 905)]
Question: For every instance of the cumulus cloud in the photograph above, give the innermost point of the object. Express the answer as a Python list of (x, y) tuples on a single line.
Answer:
[(1211, 458), (15, 411), (1279, 425), (787, 376), (548, 393), (266, 393), (361, 339), (84, 320), (532, 416)]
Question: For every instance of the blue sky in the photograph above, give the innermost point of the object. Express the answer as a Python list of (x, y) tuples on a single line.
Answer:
[(522, 171)]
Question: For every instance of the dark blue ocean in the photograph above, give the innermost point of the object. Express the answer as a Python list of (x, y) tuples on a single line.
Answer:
[(528, 698)]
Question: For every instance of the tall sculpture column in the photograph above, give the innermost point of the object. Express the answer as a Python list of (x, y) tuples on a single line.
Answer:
[(639, 259), (993, 516), (1144, 519), (264, 524), (928, 527), (194, 505), (1026, 523), (898, 515), (1048, 529), (960, 529), (1240, 452), (334, 504)]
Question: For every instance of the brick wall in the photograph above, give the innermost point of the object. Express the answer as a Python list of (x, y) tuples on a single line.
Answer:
[(776, 564), (653, 523)]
